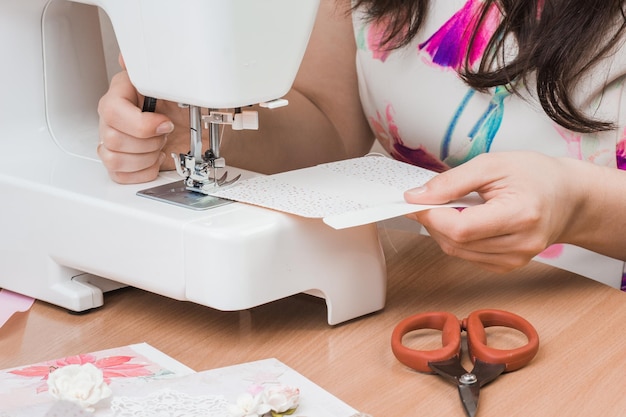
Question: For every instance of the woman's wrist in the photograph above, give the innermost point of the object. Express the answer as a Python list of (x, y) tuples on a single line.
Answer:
[(597, 199)]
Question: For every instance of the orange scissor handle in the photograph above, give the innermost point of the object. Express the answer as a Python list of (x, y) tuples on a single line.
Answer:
[(419, 360), (512, 359), (451, 329)]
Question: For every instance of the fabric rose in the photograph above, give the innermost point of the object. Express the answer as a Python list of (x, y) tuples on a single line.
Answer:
[(282, 399), (249, 405), (80, 384), (277, 400)]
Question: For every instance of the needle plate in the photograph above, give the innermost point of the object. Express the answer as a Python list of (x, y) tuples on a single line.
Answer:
[(176, 193)]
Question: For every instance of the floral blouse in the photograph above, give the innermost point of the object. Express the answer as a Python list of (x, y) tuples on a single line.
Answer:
[(423, 113)]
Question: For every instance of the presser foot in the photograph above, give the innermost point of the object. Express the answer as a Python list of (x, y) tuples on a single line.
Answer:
[(197, 175), (210, 185)]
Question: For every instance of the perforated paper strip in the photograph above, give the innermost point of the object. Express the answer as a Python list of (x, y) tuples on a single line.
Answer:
[(345, 194)]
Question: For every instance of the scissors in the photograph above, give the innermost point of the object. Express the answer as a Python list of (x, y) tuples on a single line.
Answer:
[(488, 362)]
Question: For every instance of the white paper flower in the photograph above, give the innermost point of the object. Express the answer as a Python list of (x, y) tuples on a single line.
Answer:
[(249, 405), (81, 384), (282, 398)]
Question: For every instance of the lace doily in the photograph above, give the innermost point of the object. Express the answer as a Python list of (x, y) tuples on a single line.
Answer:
[(169, 403), (67, 409)]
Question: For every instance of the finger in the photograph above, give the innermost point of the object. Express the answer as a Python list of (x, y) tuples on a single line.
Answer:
[(453, 184), (125, 162), (499, 245), (496, 217), (116, 141), (493, 258), (119, 109), (502, 249), (127, 144), (139, 177)]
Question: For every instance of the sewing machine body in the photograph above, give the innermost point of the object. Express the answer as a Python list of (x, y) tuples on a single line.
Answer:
[(69, 233)]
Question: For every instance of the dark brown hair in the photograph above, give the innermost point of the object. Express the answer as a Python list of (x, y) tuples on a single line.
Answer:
[(557, 40)]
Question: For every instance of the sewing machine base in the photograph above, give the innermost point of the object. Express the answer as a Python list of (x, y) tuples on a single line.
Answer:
[(92, 235), (177, 193)]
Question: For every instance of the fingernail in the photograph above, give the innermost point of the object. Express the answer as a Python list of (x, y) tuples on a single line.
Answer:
[(164, 128), (416, 190)]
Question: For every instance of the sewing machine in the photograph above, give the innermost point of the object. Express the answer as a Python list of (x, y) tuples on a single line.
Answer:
[(69, 234)]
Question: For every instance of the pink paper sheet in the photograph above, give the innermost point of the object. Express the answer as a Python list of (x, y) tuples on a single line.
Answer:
[(11, 303)]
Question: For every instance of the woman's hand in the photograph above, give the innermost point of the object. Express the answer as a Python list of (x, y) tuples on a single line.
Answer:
[(133, 143), (531, 202)]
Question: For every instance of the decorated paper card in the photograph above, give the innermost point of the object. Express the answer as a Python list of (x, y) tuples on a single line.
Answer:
[(27, 385), (344, 194), (241, 390), (140, 381)]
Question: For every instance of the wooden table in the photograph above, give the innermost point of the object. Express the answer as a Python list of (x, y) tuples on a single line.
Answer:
[(579, 369)]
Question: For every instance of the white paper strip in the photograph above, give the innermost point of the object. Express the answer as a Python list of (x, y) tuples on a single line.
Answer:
[(345, 194)]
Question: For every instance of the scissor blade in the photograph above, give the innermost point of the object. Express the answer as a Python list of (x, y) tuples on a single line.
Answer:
[(487, 372), (469, 398), (450, 369)]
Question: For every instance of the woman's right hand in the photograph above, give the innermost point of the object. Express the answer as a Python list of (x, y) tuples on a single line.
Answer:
[(133, 143)]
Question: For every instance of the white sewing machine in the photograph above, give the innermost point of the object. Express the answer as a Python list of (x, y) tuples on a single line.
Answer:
[(69, 233)]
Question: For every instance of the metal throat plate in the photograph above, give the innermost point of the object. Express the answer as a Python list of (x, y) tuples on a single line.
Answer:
[(177, 193)]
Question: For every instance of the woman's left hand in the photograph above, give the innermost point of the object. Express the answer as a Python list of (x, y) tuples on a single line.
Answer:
[(531, 200)]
